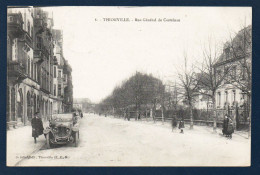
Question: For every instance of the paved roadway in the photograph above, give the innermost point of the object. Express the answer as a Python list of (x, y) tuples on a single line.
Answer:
[(117, 142)]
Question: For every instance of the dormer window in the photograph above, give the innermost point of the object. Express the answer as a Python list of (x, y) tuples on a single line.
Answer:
[(227, 53), (10, 19)]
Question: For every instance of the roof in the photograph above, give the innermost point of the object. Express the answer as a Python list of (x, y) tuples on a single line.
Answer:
[(236, 42)]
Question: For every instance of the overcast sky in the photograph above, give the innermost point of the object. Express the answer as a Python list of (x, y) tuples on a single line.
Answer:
[(102, 54)]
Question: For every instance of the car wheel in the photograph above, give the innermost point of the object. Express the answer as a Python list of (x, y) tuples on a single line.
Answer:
[(49, 145), (76, 139)]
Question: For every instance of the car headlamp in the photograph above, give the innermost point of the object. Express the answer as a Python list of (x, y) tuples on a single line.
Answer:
[(55, 129), (68, 130)]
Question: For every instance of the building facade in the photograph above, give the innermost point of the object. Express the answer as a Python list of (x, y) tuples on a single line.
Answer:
[(31, 65), (235, 64)]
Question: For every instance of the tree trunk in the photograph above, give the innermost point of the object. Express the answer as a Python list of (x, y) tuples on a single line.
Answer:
[(191, 117), (162, 116), (214, 114), (249, 116)]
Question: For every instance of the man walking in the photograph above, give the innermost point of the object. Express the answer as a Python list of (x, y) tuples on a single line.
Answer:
[(37, 126)]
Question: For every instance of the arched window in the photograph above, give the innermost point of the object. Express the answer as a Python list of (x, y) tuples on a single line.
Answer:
[(9, 49), (32, 70), (34, 104), (29, 114), (13, 104), (28, 28), (28, 66), (20, 104), (55, 72)]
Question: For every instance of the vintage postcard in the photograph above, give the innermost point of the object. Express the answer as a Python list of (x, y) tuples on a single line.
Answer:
[(129, 86)]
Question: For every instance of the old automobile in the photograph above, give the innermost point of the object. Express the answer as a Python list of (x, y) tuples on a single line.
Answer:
[(62, 129)]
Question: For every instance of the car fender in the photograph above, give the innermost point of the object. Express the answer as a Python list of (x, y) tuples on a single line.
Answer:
[(75, 128)]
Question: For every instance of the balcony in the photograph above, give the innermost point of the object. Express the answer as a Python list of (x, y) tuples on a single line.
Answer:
[(40, 52), (16, 72), (38, 56), (27, 39), (60, 80), (15, 25), (45, 90)]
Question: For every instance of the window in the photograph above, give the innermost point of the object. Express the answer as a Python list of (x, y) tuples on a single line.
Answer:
[(38, 42), (234, 96), (31, 32), (227, 51), (28, 66), (54, 89), (59, 74), (29, 28), (10, 19), (226, 96), (219, 98), (218, 76), (36, 73), (59, 89), (32, 70), (243, 73), (55, 72), (65, 78), (233, 72)]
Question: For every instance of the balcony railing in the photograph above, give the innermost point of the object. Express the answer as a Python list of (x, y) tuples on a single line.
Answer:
[(60, 80), (28, 39), (16, 71)]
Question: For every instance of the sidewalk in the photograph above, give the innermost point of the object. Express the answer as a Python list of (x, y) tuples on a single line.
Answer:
[(20, 144), (196, 128)]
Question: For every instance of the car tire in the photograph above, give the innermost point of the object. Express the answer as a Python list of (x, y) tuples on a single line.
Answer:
[(76, 139), (49, 145)]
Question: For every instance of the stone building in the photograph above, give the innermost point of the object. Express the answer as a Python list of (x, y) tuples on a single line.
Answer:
[(31, 65)]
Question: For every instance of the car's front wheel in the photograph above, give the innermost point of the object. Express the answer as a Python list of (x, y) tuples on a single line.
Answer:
[(49, 144), (76, 139)]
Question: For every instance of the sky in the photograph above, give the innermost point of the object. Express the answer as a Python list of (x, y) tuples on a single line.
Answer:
[(103, 54)]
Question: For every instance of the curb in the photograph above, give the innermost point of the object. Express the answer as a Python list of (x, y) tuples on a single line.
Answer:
[(36, 150)]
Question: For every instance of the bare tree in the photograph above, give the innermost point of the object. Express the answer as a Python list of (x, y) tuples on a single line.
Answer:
[(189, 86), (211, 79)]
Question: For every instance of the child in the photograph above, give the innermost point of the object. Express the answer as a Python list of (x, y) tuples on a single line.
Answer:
[(181, 126)]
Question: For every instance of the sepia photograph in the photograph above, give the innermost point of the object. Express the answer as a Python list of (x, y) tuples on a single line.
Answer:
[(121, 86)]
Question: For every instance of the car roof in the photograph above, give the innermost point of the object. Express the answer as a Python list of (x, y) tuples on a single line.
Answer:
[(67, 115)]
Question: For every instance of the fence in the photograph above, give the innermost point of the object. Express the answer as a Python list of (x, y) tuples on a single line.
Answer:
[(205, 117), (200, 116)]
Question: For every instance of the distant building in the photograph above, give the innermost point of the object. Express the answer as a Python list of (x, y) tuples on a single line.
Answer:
[(202, 102), (77, 106)]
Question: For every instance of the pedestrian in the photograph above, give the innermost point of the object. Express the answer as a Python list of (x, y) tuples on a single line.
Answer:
[(81, 115), (174, 122), (225, 125), (37, 126), (230, 128), (181, 125)]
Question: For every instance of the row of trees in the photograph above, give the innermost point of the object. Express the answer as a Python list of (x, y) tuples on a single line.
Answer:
[(139, 90)]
